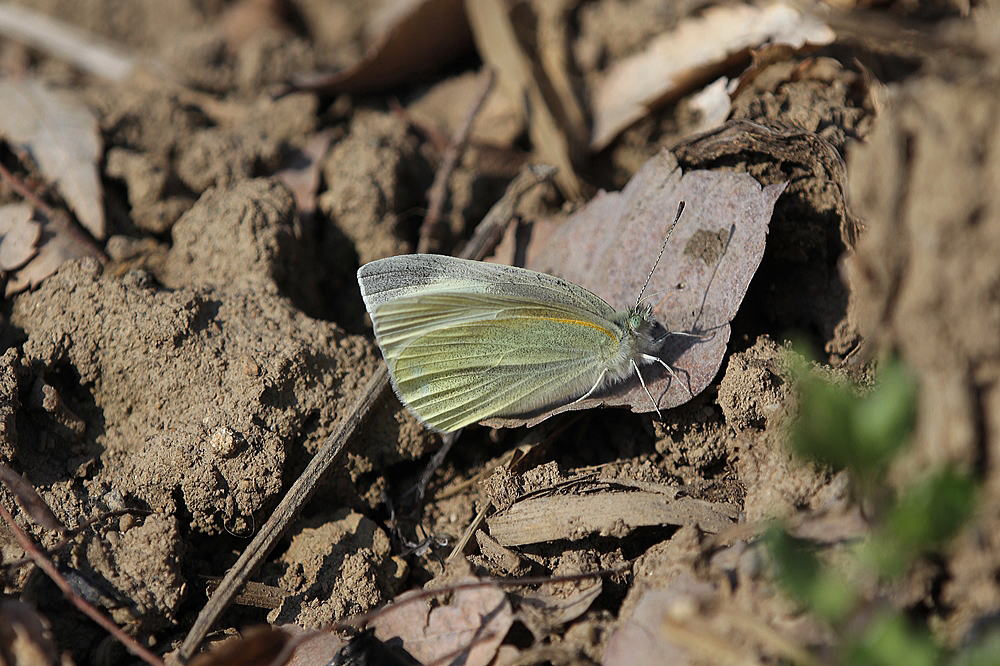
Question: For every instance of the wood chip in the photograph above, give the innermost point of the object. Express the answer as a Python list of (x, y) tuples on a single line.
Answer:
[(606, 514)]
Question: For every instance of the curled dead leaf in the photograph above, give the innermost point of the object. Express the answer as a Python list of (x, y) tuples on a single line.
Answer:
[(414, 37), (697, 50), (258, 646)]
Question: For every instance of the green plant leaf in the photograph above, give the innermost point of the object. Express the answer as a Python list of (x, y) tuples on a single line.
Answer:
[(861, 433), (890, 640), (805, 578), (926, 516)]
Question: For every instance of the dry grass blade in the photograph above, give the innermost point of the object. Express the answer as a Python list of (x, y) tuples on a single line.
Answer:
[(64, 41), (576, 516), (499, 47)]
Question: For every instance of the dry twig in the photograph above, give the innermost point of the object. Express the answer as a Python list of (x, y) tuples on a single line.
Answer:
[(81, 604)]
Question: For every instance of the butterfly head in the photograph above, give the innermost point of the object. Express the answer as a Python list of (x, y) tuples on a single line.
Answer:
[(640, 327), (640, 318)]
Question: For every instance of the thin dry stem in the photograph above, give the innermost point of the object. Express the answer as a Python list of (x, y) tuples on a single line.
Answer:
[(430, 230)]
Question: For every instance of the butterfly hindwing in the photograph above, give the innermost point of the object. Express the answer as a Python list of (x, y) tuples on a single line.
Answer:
[(456, 359)]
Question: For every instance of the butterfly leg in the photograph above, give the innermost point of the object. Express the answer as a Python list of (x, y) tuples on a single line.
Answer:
[(685, 334), (673, 374), (593, 388), (697, 336), (643, 382)]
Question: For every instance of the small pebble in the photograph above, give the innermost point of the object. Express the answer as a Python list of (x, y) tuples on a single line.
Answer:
[(223, 442)]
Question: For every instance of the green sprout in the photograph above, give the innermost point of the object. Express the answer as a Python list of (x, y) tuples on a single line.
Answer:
[(860, 433), (845, 429)]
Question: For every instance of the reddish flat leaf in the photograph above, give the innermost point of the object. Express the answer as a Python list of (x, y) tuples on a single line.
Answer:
[(611, 244), (466, 631), (62, 137), (640, 639)]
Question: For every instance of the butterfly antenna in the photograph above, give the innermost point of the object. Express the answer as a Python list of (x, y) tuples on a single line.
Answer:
[(663, 246)]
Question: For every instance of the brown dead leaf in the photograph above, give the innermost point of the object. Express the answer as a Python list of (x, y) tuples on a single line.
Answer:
[(361, 649), (62, 137), (313, 647), (545, 609), (640, 640), (610, 245), (58, 242), (18, 235), (29, 500), (499, 47), (258, 646), (467, 631), (697, 50), (24, 638), (690, 621), (414, 37)]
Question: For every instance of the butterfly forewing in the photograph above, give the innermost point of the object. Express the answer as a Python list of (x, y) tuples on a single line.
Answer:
[(392, 278)]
